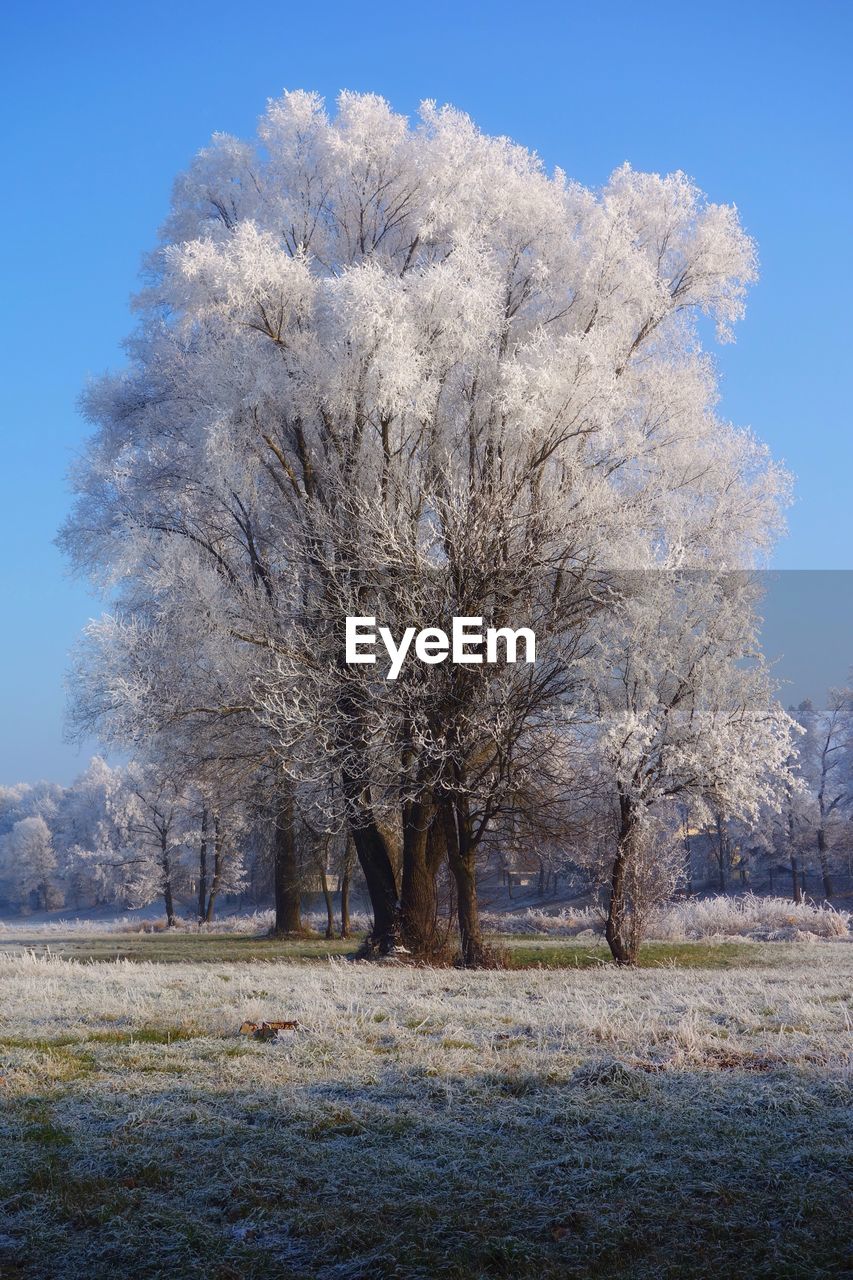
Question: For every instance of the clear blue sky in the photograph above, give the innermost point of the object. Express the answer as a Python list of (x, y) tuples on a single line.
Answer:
[(104, 103)]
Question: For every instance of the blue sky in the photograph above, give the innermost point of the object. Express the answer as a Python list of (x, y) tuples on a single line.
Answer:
[(104, 103)]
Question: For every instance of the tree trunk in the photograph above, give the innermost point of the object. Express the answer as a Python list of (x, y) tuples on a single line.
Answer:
[(324, 885), (461, 854), (422, 853), (621, 938), (375, 862), (381, 883), (168, 897), (540, 893), (721, 856), (349, 854), (202, 869), (823, 858), (286, 879), (218, 857), (798, 897)]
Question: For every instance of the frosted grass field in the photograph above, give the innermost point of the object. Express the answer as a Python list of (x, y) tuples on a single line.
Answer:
[(425, 1123), (748, 916)]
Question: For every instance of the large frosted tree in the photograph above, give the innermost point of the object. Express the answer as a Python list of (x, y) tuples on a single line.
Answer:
[(391, 368)]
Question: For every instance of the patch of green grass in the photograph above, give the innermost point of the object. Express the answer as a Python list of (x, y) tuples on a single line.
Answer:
[(186, 948), (569, 954), (68, 1061), (335, 1122), (145, 1035), (523, 951), (38, 1127), (137, 1035), (39, 1044), (704, 955), (47, 1135), (86, 1200)]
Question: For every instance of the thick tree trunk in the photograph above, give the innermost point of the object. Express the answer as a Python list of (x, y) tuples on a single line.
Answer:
[(375, 862), (423, 850), (795, 879), (461, 854), (621, 938), (286, 878), (218, 855), (541, 889), (202, 869), (371, 847)]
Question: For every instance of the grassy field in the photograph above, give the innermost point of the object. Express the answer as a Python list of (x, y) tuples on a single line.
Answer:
[(520, 951), (180, 948), (434, 1124)]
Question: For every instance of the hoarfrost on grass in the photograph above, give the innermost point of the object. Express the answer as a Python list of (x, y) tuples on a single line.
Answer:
[(763, 919), (423, 1120)]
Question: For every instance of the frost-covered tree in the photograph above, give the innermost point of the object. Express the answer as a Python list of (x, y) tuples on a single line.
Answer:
[(31, 864), (90, 833), (31, 857), (220, 825), (392, 368), (685, 712), (824, 763), (156, 820), (168, 691)]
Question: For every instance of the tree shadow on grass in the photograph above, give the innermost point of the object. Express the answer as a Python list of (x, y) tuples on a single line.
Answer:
[(608, 1170)]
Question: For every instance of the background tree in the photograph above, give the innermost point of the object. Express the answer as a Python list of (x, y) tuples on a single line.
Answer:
[(31, 863), (686, 712), (824, 760)]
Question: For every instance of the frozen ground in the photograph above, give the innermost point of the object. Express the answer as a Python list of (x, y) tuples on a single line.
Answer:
[(430, 1124)]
